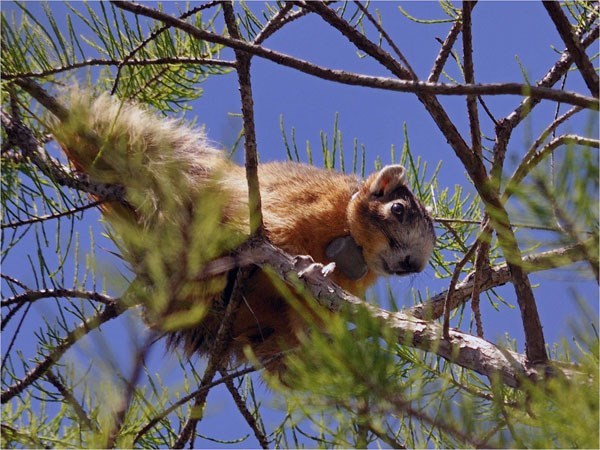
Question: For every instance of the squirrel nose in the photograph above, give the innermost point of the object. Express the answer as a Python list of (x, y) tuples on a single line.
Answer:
[(409, 265)]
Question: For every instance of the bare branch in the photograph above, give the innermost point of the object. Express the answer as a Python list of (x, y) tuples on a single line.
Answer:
[(153, 36), (278, 21), (457, 269), (564, 28), (110, 312), (445, 50), (243, 61), (481, 266), (387, 38), (470, 75), (534, 157), (175, 60), (32, 149), (433, 308), (123, 407), (392, 84), (259, 433), (203, 387), (47, 217), (217, 355), (505, 126), (71, 400), (31, 296)]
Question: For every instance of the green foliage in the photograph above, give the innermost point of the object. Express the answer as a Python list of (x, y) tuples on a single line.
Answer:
[(351, 383)]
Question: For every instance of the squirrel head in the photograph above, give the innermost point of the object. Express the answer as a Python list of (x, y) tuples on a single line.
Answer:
[(390, 224)]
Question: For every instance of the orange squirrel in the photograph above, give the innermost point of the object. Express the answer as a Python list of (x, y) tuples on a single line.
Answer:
[(368, 228)]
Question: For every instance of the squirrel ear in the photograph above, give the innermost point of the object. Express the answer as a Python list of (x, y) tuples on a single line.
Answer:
[(388, 179)]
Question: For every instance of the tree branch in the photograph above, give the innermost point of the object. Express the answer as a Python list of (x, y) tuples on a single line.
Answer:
[(392, 84), (175, 60), (153, 36), (71, 400), (433, 308), (468, 6), (505, 126), (22, 137), (243, 61), (564, 28), (20, 223), (256, 427), (533, 158), (445, 49), (31, 296), (110, 312), (215, 361), (203, 387)]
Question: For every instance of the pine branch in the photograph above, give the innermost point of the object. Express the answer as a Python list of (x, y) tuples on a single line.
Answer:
[(70, 212), (433, 308), (340, 76), (108, 313), (31, 296), (216, 358), (445, 50), (243, 61), (564, 28), (174, 60), (71, 400), (23, 137)]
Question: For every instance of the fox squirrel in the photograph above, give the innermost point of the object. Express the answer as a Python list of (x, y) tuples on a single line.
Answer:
[(368, 228)]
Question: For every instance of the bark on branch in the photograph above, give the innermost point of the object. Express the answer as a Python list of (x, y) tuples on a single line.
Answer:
[(564, 28), (340, 76)]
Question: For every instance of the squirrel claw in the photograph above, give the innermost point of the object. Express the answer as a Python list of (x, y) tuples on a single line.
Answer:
[(307, 267)]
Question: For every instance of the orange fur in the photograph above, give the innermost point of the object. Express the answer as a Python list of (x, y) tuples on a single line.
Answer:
[(168, 169)]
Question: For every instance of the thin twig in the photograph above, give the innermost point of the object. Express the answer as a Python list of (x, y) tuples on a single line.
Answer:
[(70, 212), (31, 296), (340, 76), (15, 281), (243, 61), (445, 51), (173, 60), (404, 407), (387, 38), (469, 71), (5, 321), (570, 228), (182, 401), (259, 433), (153, 36), (457, 270), (110, 312), (217, 354), (533, 158), (119, 416), (577, 51), (433, 308), (506, 126), (71, 400), (389, 440), (481, 266), (280, 19)]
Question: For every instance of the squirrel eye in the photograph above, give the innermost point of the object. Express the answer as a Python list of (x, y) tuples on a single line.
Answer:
[(398, 209)]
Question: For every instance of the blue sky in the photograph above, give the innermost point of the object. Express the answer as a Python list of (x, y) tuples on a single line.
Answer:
[(509, 37)]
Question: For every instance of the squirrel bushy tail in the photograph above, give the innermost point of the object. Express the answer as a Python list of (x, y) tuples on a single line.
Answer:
[(156, 159), (181, 208)]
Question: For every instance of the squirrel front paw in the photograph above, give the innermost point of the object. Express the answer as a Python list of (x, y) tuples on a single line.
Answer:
[(306, 267)]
